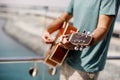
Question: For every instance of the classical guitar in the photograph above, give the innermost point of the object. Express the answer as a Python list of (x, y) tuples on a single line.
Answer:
[(57, 54)]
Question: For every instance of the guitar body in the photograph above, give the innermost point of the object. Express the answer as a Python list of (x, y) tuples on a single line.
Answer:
[(57, 54)]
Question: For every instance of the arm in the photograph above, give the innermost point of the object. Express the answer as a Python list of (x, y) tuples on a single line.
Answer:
[(100, 32), (102, 29), (55, 25)]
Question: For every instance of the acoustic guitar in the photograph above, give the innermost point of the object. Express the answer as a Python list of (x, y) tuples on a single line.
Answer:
[(57, 54)]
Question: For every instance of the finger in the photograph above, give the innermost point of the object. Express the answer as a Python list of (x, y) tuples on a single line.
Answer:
[(65, 36), (65, 40), (43, 39), (47, 39)]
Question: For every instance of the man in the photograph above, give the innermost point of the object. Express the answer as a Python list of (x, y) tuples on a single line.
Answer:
[(96, 16)]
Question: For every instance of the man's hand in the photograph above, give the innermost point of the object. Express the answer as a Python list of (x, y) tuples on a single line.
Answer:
[(47, 38), (64, 42), (54, 26)]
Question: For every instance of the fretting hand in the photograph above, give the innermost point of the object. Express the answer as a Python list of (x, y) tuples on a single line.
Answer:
[(64, 42)]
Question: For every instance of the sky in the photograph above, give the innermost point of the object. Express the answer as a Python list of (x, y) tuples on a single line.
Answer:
[(53, 3)]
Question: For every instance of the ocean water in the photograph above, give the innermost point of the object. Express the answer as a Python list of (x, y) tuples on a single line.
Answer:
[(20, 71), (9, 48)]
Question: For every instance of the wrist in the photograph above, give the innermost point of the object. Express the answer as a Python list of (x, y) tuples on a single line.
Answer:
[(92, 41)]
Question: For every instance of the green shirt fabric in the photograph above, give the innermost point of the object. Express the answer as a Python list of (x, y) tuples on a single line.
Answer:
[(85, 18)]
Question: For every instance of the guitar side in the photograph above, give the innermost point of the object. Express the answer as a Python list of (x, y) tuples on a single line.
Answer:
[(57, 54)]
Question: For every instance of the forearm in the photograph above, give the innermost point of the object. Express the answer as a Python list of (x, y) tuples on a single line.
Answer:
[(56, 24), (99, 34), (102, 29)]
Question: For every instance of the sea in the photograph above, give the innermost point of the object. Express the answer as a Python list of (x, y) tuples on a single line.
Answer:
[(20, 70)]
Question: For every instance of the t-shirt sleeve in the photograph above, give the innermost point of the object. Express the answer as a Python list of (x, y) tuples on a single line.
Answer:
[(109, 7), (69, 9)]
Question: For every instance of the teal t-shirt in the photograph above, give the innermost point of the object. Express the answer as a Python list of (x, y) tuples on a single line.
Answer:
[(85, 18)]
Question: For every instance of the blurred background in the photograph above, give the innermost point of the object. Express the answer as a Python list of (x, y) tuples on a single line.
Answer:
[(21, 25)]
